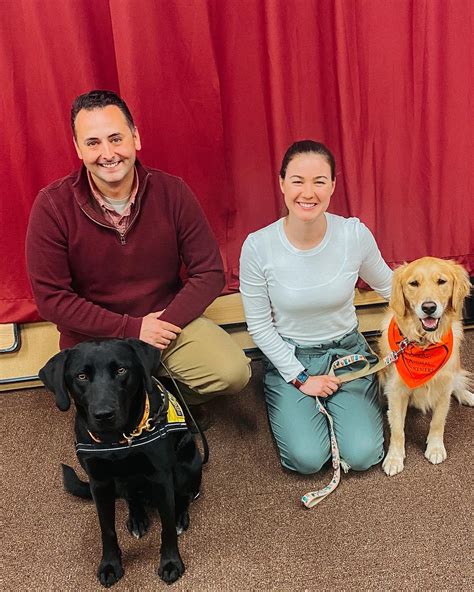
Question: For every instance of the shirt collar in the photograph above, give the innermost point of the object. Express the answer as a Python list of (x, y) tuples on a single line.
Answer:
[(99, 198)]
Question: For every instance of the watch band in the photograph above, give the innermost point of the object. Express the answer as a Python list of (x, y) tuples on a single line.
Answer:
[(300, 379)]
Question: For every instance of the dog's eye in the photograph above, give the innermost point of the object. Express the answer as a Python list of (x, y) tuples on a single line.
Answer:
[(121, 371), (82, 376), (441, 281), (414, 283)]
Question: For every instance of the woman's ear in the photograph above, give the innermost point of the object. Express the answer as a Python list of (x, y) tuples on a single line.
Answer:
[(281, 181)]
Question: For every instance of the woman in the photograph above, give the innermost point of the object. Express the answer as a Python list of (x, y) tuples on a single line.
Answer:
[(297, 279)]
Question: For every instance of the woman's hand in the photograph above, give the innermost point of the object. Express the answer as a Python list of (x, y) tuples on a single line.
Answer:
[(320, 386)]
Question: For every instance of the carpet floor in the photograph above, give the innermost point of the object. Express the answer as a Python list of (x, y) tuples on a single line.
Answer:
[(249, 531)]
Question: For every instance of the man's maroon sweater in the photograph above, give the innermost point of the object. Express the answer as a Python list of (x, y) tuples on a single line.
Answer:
[(95, 283)]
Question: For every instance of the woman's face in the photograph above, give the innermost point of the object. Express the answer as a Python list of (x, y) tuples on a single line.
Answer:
[(307, 186)]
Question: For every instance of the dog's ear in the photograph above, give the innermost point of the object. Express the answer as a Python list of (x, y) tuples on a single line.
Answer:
[(149, 357), (461, 287), (397, 298), (52, 375)]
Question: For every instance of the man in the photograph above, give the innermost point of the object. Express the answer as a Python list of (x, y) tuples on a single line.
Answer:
[(105, 247)]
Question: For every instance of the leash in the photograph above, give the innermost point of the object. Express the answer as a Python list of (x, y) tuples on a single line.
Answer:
[(205, 445), (313, 498), (367, 369)]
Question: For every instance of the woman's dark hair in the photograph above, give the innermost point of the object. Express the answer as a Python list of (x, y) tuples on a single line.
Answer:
[(98, 99), (303, 147)]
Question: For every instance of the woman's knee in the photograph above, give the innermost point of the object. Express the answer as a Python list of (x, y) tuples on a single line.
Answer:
[(364, 454), (304, 460)]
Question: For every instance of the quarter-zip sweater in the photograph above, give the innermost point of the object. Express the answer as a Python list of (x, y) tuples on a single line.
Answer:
[(95, 282)]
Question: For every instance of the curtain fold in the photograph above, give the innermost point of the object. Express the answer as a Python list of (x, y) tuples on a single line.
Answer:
[(49, 53), (219, 89)]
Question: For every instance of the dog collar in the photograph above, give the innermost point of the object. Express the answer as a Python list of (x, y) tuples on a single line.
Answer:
[(417, 365), (173, 421), (145, 424)]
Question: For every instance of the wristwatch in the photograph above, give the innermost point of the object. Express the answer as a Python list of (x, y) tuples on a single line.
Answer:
[(300, 379)]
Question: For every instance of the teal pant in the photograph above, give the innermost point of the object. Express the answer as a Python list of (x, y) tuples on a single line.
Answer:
[(302, 433)]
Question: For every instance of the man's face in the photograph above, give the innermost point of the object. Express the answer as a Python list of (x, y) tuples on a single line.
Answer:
[(107, 146)]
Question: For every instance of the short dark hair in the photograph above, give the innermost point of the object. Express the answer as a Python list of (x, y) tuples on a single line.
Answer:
[(304, 147), (98, 99)]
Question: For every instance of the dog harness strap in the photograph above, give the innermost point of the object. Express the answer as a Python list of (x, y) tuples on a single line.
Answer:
[(417, 365)]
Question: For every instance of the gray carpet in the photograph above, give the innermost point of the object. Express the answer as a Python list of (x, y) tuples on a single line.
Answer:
[(248, 530)]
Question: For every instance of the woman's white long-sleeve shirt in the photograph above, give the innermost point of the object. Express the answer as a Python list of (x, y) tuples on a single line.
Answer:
[(306, 296)]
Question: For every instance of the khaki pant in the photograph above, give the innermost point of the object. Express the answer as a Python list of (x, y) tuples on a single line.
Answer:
[(207, 360)]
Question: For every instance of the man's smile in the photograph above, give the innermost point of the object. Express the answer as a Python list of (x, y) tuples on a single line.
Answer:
[(109, 165)]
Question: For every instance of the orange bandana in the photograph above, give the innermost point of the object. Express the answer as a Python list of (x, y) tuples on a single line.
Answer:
[(417, 365)]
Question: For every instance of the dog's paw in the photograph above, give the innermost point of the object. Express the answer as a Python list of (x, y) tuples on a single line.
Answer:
[(393, 463), (182, 522), (171, 569), (110, 572), (436, 453), (138, 524), (465, 397)]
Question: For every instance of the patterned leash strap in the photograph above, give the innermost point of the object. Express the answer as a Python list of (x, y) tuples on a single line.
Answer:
[(367, 369), (313, 498)]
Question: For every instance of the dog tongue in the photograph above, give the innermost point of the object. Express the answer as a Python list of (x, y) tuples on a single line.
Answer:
[(430, 323)]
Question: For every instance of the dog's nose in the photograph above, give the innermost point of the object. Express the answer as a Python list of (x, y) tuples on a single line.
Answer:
[(428, 307), (103, 415)]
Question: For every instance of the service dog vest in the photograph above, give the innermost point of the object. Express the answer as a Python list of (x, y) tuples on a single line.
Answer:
[(417, 365), (174, 422)]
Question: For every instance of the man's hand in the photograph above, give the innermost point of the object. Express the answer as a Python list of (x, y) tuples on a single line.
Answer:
[(320, 386), (156, 332)]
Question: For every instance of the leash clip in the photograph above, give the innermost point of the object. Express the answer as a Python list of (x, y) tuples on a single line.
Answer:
[(148, 427), (129, 439), (394, 355), (403, 345)]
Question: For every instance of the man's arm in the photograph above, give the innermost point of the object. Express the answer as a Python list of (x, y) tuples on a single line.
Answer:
[(50, 276), (200, 254)]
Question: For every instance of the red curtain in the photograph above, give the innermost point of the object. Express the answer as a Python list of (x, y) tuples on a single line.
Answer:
[(220, 88)]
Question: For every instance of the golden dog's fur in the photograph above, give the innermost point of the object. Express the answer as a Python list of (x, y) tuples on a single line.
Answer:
[(424, 284)]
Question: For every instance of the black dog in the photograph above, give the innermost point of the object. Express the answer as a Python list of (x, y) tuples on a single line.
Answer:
[(127, 445)]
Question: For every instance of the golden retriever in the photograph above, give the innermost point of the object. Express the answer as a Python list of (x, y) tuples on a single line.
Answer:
[(426, 303)]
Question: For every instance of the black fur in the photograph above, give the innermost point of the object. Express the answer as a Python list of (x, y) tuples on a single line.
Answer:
[(107, 381)]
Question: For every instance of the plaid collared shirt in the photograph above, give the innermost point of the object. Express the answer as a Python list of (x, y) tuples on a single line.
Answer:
[(119, 221)]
